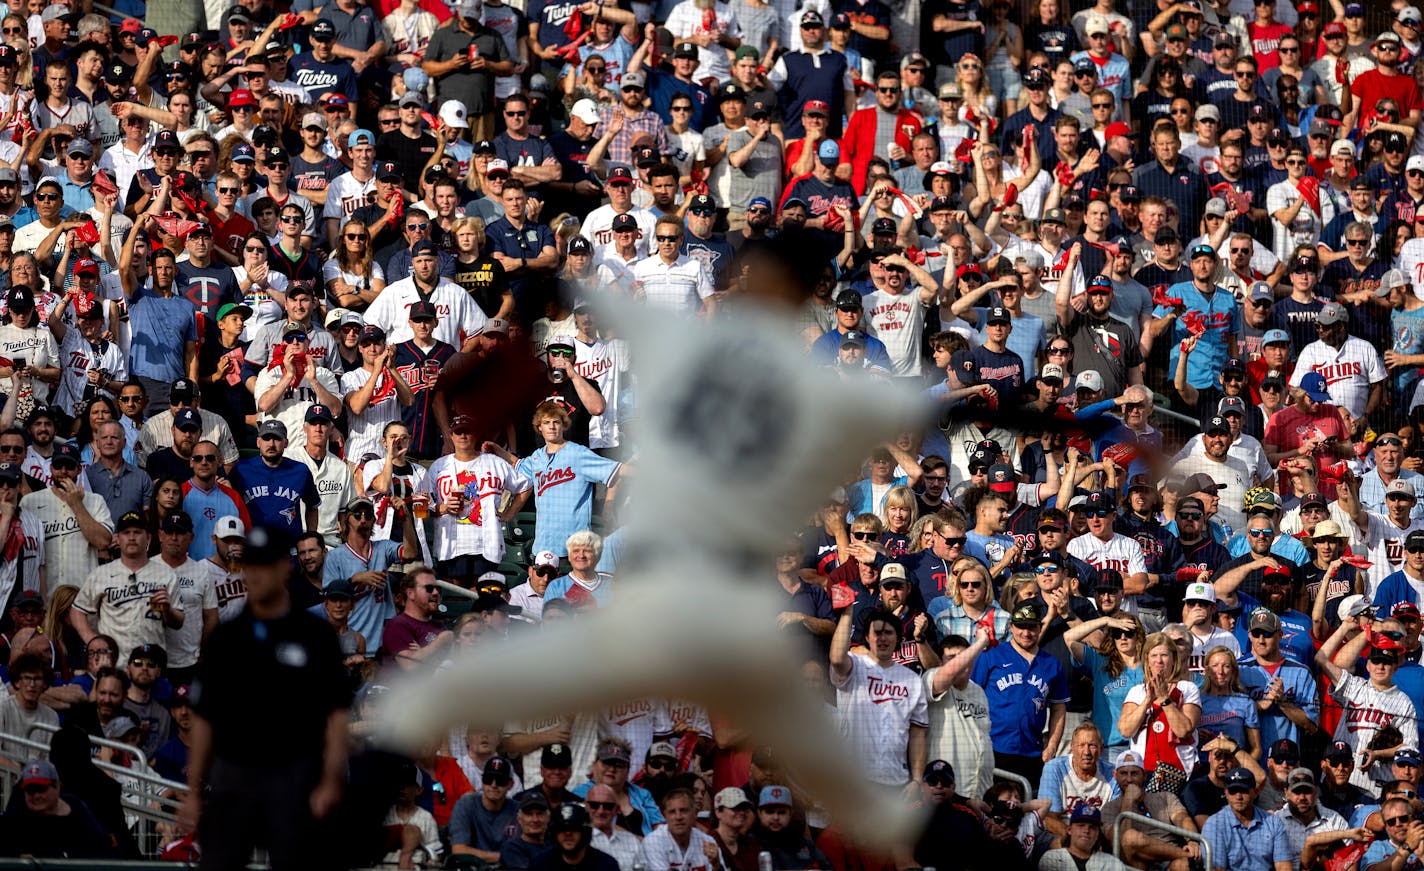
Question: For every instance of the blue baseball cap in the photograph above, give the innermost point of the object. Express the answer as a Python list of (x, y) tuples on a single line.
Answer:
[(774, 796), (1273, 336), (829, 149), (1314, 386), (187, 418), (357, 136), (1240, 776), (244, 152), (1086, 813), (759, 201)]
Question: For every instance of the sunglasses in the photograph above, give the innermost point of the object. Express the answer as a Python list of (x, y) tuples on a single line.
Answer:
[(291, 219), (1119, 634), (1398, 821), (667, 238), (419, 228), (971, 585), (46, 198), (863, 536), (953, 542), (508, 114), (1046, 568), (1100, 513), (561, 352), (602, 805), (939, 780), (1262, 533), (205, 458), (1189, 515), (1060, 351)]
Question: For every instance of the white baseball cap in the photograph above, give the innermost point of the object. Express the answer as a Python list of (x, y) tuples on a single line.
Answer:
[(334, 317), (1128, 759), (229, 527), (1200, 592), (452, 112), (585, 110), (546, 559), (1352, 606), (1415, 162), (1089, 380)]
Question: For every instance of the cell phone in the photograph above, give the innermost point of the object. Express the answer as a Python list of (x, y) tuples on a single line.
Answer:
[(19, 362)]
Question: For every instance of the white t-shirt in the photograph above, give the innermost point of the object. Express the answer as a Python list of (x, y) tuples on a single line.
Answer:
[(878, 705), (385, 518), (1196, 663), (598, 227), (484, 480), (898, 320), (195, 594), (1186, 752), (76, 358)]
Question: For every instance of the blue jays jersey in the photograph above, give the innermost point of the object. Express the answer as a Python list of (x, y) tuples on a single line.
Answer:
[(1021, 691), (274, 497)]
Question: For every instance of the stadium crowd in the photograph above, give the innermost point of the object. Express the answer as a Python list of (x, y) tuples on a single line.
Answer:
[(301, 315)]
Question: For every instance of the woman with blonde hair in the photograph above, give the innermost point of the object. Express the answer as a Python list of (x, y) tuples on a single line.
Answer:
[(901, 508), (477, 273), (69, 646), (978, 95), (352, 279), (1110, 649), (1019, 588), (1226, 709), (1160, 715), (969, 603)]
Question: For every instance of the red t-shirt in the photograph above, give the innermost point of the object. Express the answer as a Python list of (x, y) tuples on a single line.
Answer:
[(1265, 39), (1290, 426), (1372, 86)]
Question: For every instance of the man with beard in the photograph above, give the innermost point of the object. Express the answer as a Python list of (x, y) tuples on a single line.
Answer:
[(1146, 847), (1100, 342), (1247, 573), (305, 584), (572, 832), (789, 848), (367, 565), (1276, 671), (1103, 548), (760, 223)]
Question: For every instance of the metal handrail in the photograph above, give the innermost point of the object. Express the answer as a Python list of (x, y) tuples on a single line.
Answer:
[(98, 742), (168, 804), (1161, 826)]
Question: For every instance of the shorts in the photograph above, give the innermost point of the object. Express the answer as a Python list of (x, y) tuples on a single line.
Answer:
[(1005, 82)]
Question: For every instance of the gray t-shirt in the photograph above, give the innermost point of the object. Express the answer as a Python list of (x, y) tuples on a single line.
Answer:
[(760, 25), (1131, 300), (758, 177)]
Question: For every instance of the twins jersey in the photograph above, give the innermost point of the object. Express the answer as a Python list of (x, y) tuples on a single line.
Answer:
[(661, 852), (675, 715), (878, 705), (412, 480), (1384, 547), (76, 357), (67, 553), (1349, 371), (633, 721), (24, 568), (334, 485), (345, 195), (898, 320), (119, 598), (1114, 74), (195, 595), (1366, 709), (229, 590), (1219, 316), (1196, 662), (1300, 690), (563, 483), (373, 605), (598, 227), (292, 405), (205, 507), (483, 481), (1120, 553), (366, 428), (459, 317), (603, 362)]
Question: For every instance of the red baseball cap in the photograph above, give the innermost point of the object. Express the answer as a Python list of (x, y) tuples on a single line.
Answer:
[(816, 107), (1117, 128), (240, 97)]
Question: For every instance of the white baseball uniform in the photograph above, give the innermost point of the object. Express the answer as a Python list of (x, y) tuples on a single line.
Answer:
[(458, 317), (1120, 553), (230, 589), (195, 593), (661, 852), (598, 227), (1349, 371), (119, 597), (1366, 710), (345, 195), (483, 480), (878, 705), (604, 362), (366, 428)]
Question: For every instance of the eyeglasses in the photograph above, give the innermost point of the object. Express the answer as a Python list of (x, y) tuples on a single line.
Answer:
[(1290, 48), (1353, 242), (1246, 75), (429, 588), (952, 542), (384, 122), (1046, 568), (1174, 111), (254, 249), (229, 190), (1099, 514), (632, 89), (888, 90), (561, 352), (971, 585), (205, 458), (1102, 105), (1296, 162), (124, 399), (1189, 515), (1060, 351), (15, 31), (243, 109), (143, 663), (667, 238), (354, 237), (100, 651), (682, 108), (419, 228)]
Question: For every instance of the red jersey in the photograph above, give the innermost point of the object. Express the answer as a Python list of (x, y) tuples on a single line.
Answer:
[(1372, 86)]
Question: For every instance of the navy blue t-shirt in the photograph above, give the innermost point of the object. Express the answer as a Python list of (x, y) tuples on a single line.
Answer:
[(1004, 370), (275, 497), (663, 86), (319, 79)]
